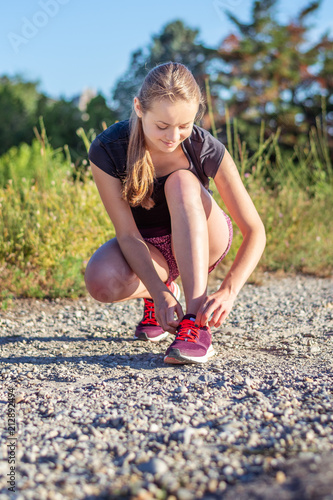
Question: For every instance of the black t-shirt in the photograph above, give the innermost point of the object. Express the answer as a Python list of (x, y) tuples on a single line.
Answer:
[(109, 152)]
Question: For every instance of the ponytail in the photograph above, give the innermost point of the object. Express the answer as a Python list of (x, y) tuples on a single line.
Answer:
[(139, 183)]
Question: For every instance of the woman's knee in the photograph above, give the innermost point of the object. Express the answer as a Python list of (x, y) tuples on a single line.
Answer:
[(107, 283), (184, 187), (181, 180)]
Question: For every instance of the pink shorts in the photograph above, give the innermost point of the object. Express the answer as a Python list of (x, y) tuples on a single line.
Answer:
[(163, 244)]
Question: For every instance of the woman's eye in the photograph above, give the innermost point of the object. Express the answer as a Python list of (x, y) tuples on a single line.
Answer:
[(184, 127)]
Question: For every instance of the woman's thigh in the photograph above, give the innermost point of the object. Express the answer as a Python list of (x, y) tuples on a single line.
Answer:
[(109, 278), (217, 225), (218, 228)]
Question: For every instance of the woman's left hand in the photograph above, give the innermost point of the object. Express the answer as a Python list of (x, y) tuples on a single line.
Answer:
[(215, 308)]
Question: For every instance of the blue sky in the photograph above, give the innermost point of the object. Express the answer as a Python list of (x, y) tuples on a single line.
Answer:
[(70, 45)]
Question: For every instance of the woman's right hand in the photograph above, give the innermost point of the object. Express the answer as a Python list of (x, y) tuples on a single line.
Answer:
[(166, 308)]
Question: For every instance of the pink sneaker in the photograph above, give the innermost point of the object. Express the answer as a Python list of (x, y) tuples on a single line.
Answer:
[(148, 328), (193, 344)]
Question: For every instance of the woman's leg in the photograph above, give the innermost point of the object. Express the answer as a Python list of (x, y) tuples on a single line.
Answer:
[(109, 278), (200, 233)]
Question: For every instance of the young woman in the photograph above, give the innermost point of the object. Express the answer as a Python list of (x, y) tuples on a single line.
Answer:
[(152, 173)]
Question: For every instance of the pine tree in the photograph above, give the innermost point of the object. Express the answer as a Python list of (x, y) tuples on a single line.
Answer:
[(271, 70)]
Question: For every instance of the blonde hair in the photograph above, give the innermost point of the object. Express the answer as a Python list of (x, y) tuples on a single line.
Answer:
[(172, 81)]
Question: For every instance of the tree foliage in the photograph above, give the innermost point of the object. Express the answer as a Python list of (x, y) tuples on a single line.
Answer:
[(19, 105), (99, 113), (62, 119), (264, 70), (176, 42), (22, 105), (273, 72)]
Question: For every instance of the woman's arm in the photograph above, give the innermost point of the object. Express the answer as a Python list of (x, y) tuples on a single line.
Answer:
[(134, 248), (245, 215)]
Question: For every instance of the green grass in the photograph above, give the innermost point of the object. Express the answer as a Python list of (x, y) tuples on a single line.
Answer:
[(299, 231), (293, 194), (52, 219), (50, 224)]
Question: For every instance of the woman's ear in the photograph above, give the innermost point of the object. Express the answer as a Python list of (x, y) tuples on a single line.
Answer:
[(137, 107)]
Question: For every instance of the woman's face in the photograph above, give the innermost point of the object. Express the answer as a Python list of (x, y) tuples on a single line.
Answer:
[(167, 124)]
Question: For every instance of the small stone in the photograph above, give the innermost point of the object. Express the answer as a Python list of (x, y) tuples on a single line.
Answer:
[(30, 457), (130, 457), (212, 485), (314, 349), (40, 478), (228, 470), (181, 389), (254, 440), (184, 494), (249, 382), (217, 370), (19, 398), (52, 434), (187, 436), (310, 435), (143, 494), (154, 428), (280, 477), (222, 485), (155, 466)]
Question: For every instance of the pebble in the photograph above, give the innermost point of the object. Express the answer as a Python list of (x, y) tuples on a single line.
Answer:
[(154, 428), (19, 398), (184, 494), (108, 417), (280, 477), (155, 466)]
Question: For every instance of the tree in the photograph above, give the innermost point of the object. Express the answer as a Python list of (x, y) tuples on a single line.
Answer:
[(176, 42), (273, 72), (98, 112), (62, 119), (19, 105)]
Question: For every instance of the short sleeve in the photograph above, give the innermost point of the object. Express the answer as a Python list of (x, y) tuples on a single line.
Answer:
[(100, 157), (211, 155)]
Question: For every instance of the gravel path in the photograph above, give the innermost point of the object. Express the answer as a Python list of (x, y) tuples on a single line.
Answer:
[(100, 416)]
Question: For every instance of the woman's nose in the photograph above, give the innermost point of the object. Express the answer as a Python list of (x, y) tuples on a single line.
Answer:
[(173, 135)]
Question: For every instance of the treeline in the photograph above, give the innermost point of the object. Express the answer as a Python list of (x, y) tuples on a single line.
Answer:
[(263, 71), (22, 105)]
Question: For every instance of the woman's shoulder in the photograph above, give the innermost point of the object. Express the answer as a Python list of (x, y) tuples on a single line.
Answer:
[(201, 135), (205, 149), (203, 142), (118, 132), (109, 150)]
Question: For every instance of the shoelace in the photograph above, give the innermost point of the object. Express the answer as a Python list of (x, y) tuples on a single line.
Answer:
[(188, 331), (149, 310), (149, 313)]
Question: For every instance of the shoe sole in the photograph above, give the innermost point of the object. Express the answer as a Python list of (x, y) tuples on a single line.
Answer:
[(143, 336), (176, 358)]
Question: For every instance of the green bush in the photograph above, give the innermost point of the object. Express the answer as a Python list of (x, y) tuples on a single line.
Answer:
[(294, 197), (49, 224)]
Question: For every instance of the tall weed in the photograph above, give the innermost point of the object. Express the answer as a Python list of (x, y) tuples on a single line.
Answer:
[(293, 194)]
